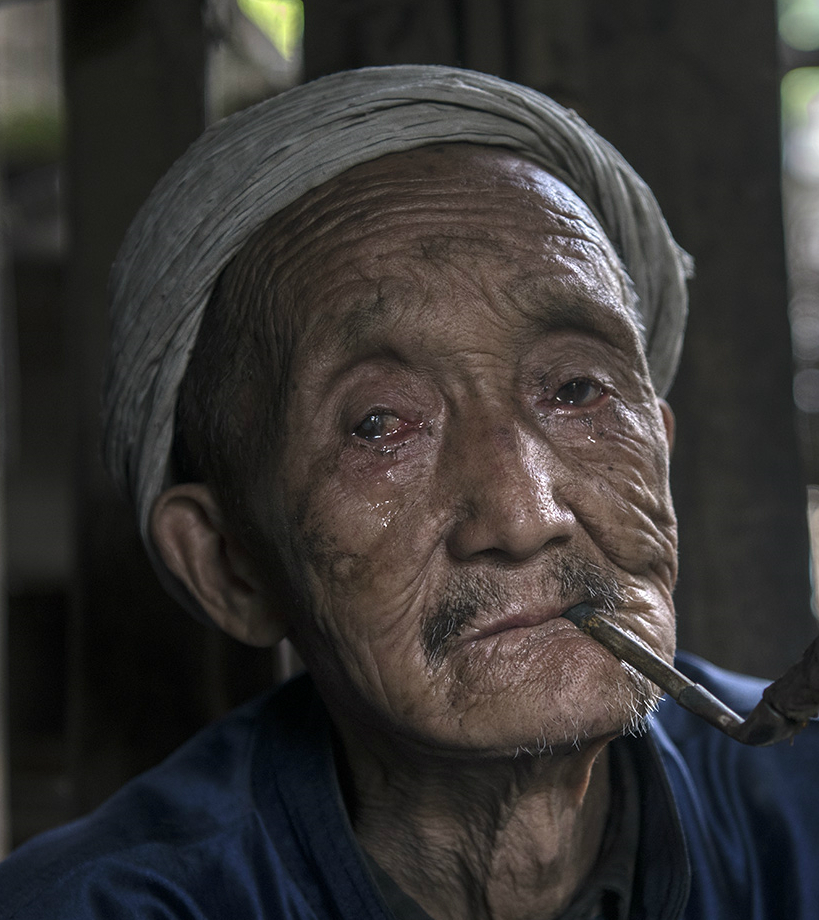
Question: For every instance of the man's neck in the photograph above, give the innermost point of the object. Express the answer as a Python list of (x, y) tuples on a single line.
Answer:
[(496, 839)]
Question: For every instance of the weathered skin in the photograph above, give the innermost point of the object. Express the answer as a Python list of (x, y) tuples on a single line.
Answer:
[(432, 451), (471, 445), (457, 310)]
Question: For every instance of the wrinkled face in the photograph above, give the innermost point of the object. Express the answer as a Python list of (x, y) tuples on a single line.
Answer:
[(471, 445)]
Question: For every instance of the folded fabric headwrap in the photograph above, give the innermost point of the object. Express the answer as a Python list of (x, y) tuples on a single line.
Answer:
[(248, 167)]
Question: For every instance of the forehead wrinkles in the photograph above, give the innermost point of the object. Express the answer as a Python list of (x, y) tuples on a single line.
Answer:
[(452, 184), (376, 229), (434, 212), (465, 272), (378, 246)]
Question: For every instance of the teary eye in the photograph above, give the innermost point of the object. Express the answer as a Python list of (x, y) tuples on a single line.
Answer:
[(580, 393), (377, 425)]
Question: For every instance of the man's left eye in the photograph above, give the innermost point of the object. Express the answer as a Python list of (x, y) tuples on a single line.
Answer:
[(581, 393)]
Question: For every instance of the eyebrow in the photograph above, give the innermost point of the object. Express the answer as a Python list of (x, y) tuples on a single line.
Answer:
[(569, 313), (614, 322), (580, 315), (606, 320)]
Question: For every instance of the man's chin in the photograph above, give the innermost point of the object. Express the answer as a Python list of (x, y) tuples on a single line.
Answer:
[(562, 709), (556, 738)]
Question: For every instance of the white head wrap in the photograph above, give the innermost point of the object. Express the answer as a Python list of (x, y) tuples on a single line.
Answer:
[(248, 167)]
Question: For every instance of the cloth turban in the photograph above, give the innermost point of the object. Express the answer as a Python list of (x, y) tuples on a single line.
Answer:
[(248, 167)]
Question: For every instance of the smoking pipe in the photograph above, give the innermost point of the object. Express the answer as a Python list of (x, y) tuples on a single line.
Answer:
[(785, 708)]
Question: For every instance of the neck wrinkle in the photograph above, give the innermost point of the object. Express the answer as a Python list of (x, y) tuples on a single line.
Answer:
[(489, 840)]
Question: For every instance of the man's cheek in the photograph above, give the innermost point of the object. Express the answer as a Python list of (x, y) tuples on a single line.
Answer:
[(356, 548), (643, 549), (629, 514)]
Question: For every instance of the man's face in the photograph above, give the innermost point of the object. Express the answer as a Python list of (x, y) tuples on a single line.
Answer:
[(471, 445)]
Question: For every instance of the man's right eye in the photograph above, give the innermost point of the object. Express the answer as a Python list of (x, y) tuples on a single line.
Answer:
[(377, 426)]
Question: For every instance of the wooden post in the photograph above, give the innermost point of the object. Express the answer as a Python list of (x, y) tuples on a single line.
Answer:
[(143, 676), (134, 77), (5, 813)]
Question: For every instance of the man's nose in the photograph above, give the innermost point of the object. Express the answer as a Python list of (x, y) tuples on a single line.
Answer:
[(505, 496)]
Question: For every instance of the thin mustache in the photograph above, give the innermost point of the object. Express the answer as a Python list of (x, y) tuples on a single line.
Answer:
[(574, 578)]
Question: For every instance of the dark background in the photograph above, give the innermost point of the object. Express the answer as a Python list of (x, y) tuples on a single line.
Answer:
[(105, 674)]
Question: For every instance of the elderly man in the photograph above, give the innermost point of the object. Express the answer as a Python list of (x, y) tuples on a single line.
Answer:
[(386, 360)]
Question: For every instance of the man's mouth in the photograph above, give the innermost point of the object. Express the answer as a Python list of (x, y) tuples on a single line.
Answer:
[(525, 619), (478, 607)]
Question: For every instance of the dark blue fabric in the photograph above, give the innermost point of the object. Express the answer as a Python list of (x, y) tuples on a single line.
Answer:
[(751, 815), (246, 821)]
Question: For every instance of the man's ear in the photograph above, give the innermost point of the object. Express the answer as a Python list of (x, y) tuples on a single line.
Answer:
[(190, 533), (669, 422)]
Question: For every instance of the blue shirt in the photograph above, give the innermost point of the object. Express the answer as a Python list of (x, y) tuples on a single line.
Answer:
[(247, 821)]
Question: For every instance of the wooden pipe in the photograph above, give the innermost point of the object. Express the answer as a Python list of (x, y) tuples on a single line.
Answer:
[(784, 710)]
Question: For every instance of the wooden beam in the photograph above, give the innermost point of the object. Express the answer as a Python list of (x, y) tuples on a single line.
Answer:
[(5, 811), (134, 78)]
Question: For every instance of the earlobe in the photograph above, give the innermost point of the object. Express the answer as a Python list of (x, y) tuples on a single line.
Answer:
[(669, 422), (191, 535)]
